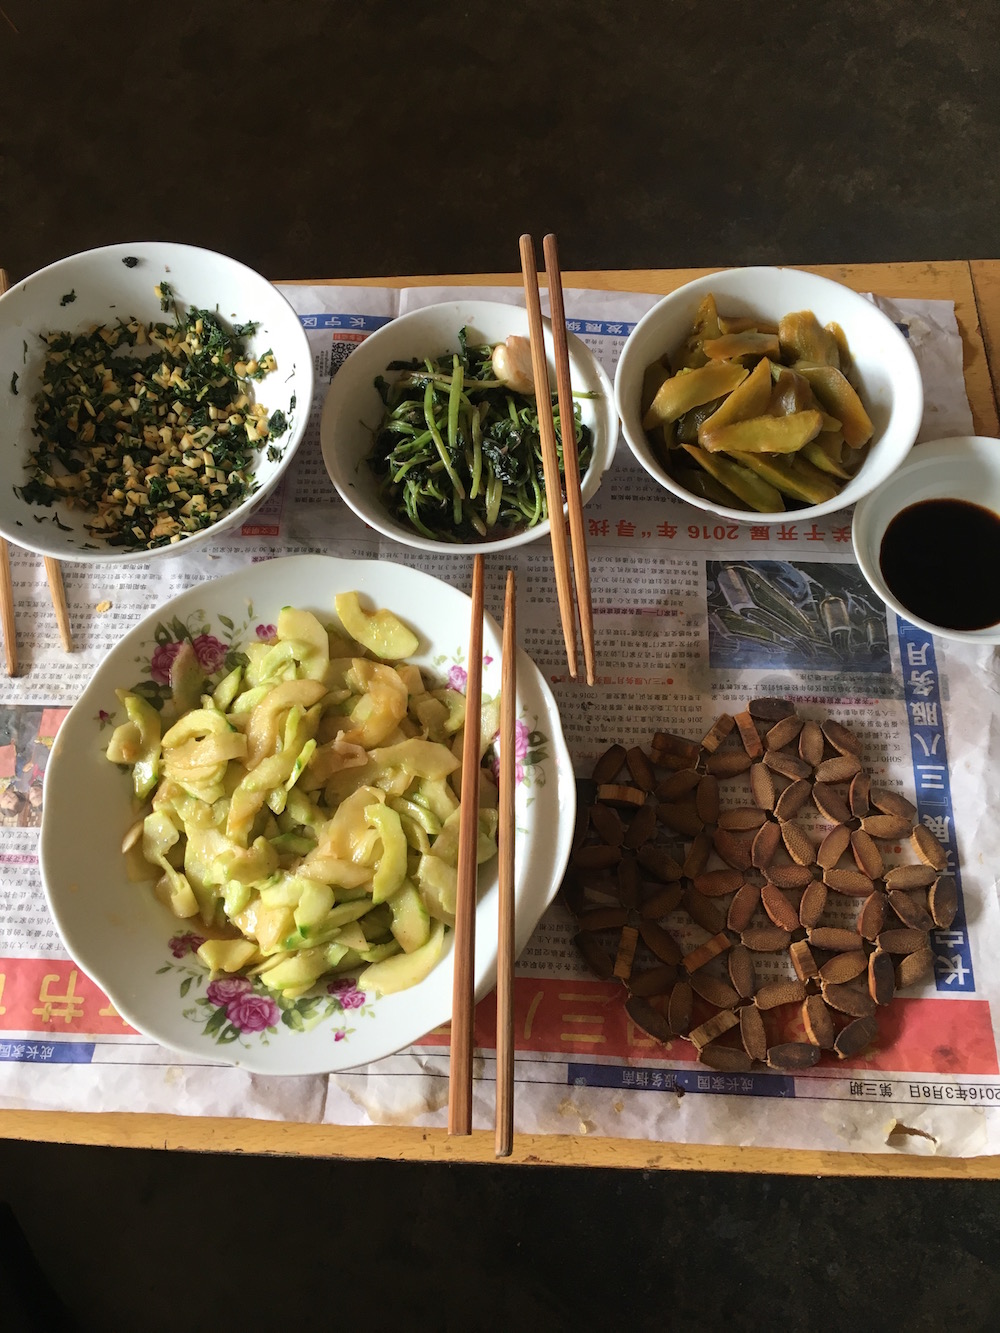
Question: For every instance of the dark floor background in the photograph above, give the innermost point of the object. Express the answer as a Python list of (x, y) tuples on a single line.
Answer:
[(335, 138)]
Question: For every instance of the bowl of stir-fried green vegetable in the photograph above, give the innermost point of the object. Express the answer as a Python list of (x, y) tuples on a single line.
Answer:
[(430, 434), (152, 395)]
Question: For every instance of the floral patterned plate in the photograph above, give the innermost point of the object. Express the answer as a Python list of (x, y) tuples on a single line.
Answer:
[(145, 959)]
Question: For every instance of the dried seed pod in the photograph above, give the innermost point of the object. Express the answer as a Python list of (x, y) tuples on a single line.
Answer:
[(607, 824), (717, 733), (714, 1027), (736, 852), (844, 967), (905, 940), (749, 735), (728, 763), (653, 981), (603, 918), (765, 844), (943, 901), (833, 939), (660, 942), (741, 818), (641, 768), (717, 883), (666, 743), (792, 1055), (678, 784), (833, 846), (704, 912), (914, 967), (787, 764), (867, 856), (775, 993), (658, 862), (853, 883), (765, 939), (928, 848), (618, 794), (770, 710), (891, 803), (812, 904), (817, 1022), (841, 769), (889, 827), (597, 959), (706, 799), (812, 743), (642, 827), (910, 910), (627, 942), (662, 902), (596, 857), (910, 877), (706, 952), (871, 918), (850, 998), (762, 786), (742, 974), (627, 881), (797, 842), (581, 823), (778, 908), (790, 876), (679, 1008), (681, 816), (830, 804), (753, 1033), (842, 740), (792, 799), (742, 908), (854, 1037), (881, 977), (714, 990), (783, 733), (727, 1059), (650, 1020), (609, 765), (857, 795), (697, 855), (803, 960)]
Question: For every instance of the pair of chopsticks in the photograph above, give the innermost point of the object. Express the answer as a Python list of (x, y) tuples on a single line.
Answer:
[(550, 460), (56, 588), (463, 996)]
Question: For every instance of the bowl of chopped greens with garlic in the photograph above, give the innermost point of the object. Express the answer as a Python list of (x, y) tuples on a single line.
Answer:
[(430, 429), (152, 395)]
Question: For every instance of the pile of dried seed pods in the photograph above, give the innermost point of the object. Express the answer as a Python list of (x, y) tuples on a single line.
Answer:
[(808, 912)]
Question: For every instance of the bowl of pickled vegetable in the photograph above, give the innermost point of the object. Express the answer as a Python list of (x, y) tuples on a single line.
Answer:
[(249, 836), (153, 394), (768, 392), (430, 429)]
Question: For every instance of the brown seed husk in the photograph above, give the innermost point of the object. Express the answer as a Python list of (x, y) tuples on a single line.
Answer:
[(728, 763), (621, 795), (942, 899), (867, 856), (818, 1023), (727, 1059), (607, 824), (681, 816), (853, 883), (910, 877), (743, 906), (843, 967), (658, 862), (871, 918), (749, 735), (704, 911), (706, 952), (783, 733), (741, 818), (597, 959), (833, 939), (833, 846), (841, 769), (790, 876), (792, 799), (812, 904), (650, 1020), (914, 967), (717, 733), (627, 881), (599, 856), (603, 918), (881, 977), (797, 842), (736, 852), (667, 743), (775, 993), (830, 803), (697, 854), (762, 786), (793, 1055), (653, 981), (889, 827), (678, 784), (679, 1008), (706, 799), (891, 803), (812, 743), (658, 941), (717, 883), (662, 902), (713, 989), (842, 739), (642, 827), (928, 848), (766, 842), (854, 1037), (770, 710), (742, 974), (905, 940), (857, 795), (910, 910), (627, 942), (766, 939), (803, 960), (753, 1033), (850, 998), (787, 764), (641, 768), (778, 908), (714, 1027), (609, 765)]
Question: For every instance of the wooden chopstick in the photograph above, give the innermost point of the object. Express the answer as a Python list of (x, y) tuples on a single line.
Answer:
[(571, 458), (505, 948), (464, 987), (550, 458), (53, 572)]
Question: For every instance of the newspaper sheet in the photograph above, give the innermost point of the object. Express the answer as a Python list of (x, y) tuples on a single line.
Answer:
[(672, 653)]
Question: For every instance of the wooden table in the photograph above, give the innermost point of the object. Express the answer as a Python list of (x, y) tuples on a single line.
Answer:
[(974, 287)]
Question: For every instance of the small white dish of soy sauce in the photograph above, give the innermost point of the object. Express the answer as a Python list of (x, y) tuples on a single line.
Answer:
[(928, 539)]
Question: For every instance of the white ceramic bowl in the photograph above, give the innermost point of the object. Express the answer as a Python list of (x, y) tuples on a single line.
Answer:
[(353, 407), (106, 288), (966, 468), (137, 951), (886, 371)]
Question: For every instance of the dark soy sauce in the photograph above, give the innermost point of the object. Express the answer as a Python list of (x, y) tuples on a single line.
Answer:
[(941, 560)]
